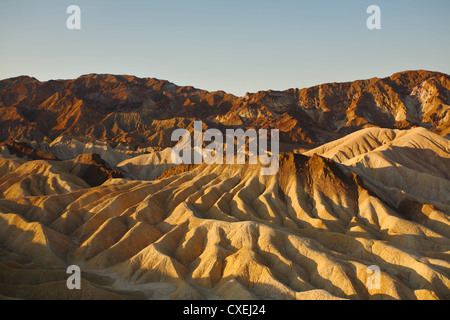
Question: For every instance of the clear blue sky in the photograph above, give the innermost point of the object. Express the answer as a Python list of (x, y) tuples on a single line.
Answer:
[(235, 45)]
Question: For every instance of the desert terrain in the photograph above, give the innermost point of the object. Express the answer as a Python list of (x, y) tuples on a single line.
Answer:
[(86, 178)]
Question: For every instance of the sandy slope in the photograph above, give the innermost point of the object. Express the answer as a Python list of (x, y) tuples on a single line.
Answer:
[(226, 232), (147, 166), (411, 163)]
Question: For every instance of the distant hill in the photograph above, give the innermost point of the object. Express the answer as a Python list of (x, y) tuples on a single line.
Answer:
[(143, 112)]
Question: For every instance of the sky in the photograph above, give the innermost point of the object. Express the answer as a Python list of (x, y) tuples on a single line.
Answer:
[(237, 46)]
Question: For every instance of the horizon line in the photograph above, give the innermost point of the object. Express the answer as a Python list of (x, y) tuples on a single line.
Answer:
[(221, 90)]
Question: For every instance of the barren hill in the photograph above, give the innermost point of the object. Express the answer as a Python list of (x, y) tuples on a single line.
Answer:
[(86, 178), (140, 113), (309, 232)]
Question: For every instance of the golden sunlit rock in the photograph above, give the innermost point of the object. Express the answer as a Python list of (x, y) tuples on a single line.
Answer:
[(98, 189)]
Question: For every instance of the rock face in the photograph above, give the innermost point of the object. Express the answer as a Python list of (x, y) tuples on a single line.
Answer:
[(86, 179), (92, 169), (140, 113)]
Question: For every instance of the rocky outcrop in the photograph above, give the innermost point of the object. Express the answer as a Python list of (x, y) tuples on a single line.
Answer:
[(86, 178), (226, 232), (140, 113)]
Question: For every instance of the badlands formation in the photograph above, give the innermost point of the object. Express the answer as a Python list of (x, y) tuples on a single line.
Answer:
[(86, 179)]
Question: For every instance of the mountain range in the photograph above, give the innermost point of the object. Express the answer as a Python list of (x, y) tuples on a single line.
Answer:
[(139, 113), (86, 179)]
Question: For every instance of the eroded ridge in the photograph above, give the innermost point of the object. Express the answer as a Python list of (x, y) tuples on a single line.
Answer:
[(226, 232)]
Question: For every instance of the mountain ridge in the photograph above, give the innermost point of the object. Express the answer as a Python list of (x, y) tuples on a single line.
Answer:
[(227, 232), (86, 179), (137, 111)]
